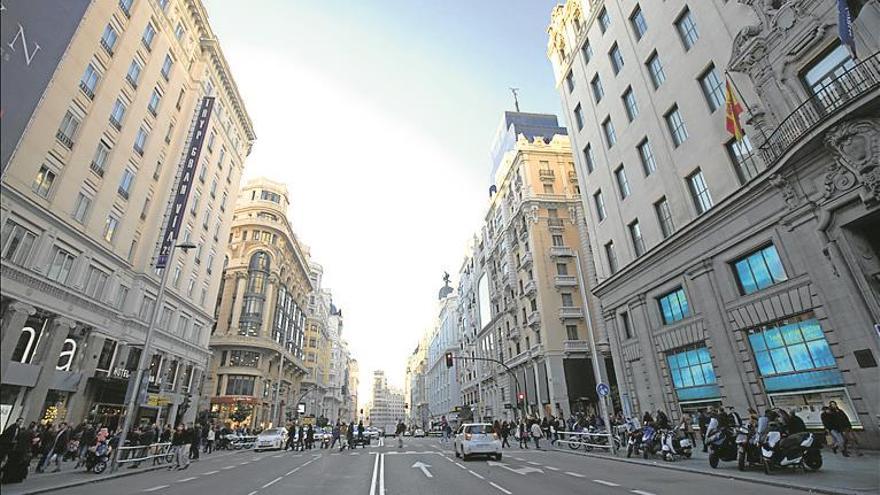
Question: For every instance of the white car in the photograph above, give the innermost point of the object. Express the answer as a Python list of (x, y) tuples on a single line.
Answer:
[(477, 439), (372, 433), (273, 438), (419, 433)]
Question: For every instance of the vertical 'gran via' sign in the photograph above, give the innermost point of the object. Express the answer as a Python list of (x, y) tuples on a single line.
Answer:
[(190, 162)]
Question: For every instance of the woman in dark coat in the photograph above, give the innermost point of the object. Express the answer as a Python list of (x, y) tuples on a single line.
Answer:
[(19, 459)]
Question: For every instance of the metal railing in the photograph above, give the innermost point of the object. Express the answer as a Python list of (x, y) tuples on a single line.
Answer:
[(831, 98), (588, 440), (139, 453)]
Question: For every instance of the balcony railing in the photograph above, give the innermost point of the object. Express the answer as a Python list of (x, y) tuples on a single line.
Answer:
[(835, 95), (87, 90), (534, 319), (566, 281), (529, 287), (97, 169), (575, 346), (570, 312), (64, 139), (561, 251), (546, 174), (555, 222)]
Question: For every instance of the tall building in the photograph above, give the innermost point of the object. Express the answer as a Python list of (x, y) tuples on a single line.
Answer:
[(442, 390), (520, 301), (734, 271), (258, 341), (85, 194), (317, 345), (386, 406)]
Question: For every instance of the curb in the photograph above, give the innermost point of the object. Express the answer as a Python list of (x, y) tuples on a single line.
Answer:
[(724, 474), (88, 481)]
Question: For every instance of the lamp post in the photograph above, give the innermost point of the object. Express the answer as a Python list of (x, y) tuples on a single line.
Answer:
[(133, 406)]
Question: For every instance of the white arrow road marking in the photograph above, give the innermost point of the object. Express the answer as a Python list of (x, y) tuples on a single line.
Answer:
[(424, 467), (523, 470), (606, 483)]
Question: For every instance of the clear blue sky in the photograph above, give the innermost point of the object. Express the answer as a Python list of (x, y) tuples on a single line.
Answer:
[(379, 116)]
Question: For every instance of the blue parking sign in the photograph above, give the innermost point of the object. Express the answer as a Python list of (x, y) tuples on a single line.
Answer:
[(603, 389)]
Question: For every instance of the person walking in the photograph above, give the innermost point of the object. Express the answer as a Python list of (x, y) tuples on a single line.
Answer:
[(523, 435), (342, 431), (310, 437), (505, 434), (537, 433), (349, 435), (19, 455), (209, 442), (9, 438), (401, 428), (334, 435), (180, 443), (360, 432), (195, 441)]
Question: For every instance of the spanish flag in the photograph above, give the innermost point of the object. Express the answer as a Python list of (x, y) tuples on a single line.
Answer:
[(733, 110)]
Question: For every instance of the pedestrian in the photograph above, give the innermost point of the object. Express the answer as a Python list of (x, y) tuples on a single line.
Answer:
[(334, 434), (343, 436), (537, 433), (505, 434), (310, 437), (523, 435), (19, 455), (702, 423), (349, 435), (47, 439), (360, 432), (9, 438), (795, 423), (180, 443), (209, 443), (195, 441), (401, 428)]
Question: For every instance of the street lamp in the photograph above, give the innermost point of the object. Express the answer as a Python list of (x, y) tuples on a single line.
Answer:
[(141, 377)]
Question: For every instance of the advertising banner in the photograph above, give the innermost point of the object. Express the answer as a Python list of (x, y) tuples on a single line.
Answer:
[(181, 196)]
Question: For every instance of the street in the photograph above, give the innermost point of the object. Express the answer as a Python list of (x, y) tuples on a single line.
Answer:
[(423, 466)]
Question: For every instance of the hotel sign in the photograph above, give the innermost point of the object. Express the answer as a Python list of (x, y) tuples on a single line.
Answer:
[(190, 162)]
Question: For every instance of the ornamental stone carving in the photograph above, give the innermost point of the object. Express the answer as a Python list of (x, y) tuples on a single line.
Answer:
[(855, 147), (786, 189)]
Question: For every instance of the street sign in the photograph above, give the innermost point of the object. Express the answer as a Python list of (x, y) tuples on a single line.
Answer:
[(156, 400), (508, 405), (603, 389)]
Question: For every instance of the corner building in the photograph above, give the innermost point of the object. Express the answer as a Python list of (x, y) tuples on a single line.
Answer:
[(741, 273), (257, 345), (84, 202)]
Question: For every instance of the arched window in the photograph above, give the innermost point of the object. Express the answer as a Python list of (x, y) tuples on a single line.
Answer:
[(251, 318)]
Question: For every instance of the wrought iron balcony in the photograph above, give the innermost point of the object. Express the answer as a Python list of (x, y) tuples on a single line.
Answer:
[(546, 174), (555, 222), (834, 96)]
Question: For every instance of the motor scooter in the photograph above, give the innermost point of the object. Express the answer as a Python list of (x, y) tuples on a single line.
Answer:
[(798, 450), (98, 457), (722, 447), (748, 451), (650, 441), (676, 445), (634, 442)]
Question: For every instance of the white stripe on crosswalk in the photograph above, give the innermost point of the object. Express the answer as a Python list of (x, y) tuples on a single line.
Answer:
[(576, 475)]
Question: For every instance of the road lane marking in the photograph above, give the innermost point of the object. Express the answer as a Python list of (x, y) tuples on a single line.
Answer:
[(375, 475), (210, 472), (228, 467), (533, 463), (606, 483), (641, 492), (476, 474), (500, 488), (519, 459), (576, 475), (279, 455), (460, 465), (276, 480), (382, 475), (156, 488), (184, 480), (253, 493), (551, 468), (243, 463)]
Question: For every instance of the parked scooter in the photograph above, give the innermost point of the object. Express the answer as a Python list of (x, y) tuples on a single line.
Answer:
[(98, 457), (675, 445), (650, 441), (799, 450), (634, 442), (722, 447), (748, 450)]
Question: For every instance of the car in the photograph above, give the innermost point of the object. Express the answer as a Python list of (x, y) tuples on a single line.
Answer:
[(372, 433), (477, 439), (273, 438), (419, 433)]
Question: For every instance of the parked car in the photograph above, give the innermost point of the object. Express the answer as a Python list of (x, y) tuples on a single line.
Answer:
[(419, 433), (477, 439), (373, 433), (273, 438)]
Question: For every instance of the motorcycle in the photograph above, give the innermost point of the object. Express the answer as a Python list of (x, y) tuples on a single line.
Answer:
[(800, 449), (722, 447), (748, 452), (675, 445), (650, 441), (634, 442), (98, 457)]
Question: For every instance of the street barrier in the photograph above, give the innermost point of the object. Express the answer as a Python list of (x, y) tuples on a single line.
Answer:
[(138, 453), (588, 439)]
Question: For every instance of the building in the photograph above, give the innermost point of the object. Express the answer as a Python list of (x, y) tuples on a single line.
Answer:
[(736, 272), (414, 387), (258, 340), (520, 300), (354, 382), (441, 382), (85, 193), (317, 346), (386, 406)]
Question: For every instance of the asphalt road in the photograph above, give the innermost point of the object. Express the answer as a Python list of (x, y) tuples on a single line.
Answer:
[(422, 467)]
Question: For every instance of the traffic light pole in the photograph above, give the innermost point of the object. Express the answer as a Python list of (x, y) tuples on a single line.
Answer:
[(450, 357)]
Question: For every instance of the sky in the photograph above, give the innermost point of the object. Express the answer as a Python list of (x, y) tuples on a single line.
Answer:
[(378, 115)]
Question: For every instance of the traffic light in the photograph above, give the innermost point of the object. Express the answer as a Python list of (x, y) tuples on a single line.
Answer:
[(449, 360), (520, 397)]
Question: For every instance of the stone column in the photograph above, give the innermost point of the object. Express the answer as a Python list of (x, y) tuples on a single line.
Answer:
[(14, 319), (87, 362), (652, 399), (46, 356), (240, 280), (122, 352)]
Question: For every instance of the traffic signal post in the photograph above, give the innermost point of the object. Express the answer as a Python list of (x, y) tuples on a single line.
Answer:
[(520, 396)]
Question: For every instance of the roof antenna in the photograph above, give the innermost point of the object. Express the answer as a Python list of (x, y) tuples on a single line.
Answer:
[(515, 97)]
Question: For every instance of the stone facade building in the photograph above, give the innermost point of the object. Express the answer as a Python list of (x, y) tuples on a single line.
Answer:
[(83, 206), (736, 272)]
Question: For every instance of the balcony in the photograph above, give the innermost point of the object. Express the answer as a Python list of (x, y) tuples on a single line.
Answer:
[(525, 260), (572, 176), (514, 333), (575, 346), (561, 252), (570, 313), (534, 319), (97, 169), (555, 223), (546, 175), (64, 139), (565, 281), (849, 86), (87, 90), (529, 287)]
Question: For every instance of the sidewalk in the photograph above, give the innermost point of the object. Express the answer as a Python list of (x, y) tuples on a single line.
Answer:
[(839, 475)]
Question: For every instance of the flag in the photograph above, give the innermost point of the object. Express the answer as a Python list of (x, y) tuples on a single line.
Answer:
[(844, 26), (733, 110)]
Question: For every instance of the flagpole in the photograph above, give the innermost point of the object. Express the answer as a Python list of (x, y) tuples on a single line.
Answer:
[(743, 100)]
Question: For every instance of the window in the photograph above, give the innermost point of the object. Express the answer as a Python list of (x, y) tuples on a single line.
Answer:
[(67, 129), (117, 114), (179, 31), (569, 81), (240, 385), (571, 332), (759, 270), (608, 129), (81, 207), (203, 172), (646, 157), (43, 182), (599, 201), (578, 116), (673, 306), (121, 297), (166, 67), (110, 227), (99, 162), (819, 78), (155, 98), (616, 58), (89, 81), (108, 39), (169, 133), (149, 36), (146, 311), (639, 25), (567, 301), (59, 267), (223, 199), (611, 256), (675, 124), (125, 183), (622, 184), (548, 189), (561, 269), (249, 359), (140, 141), (125, 5), (604, 20), (212, 137), (589, 159), (557, 241), (16, 242), (635, 235), (132, 250), (194, 208), (587, 50), (744, 160), (596, 85), (700, 192), (664, 217), (713, 88), (629, 103), (691, 368), (655, 69), (626, 325), (791, 345), (133, 76), (96, 281), (687, 29)]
